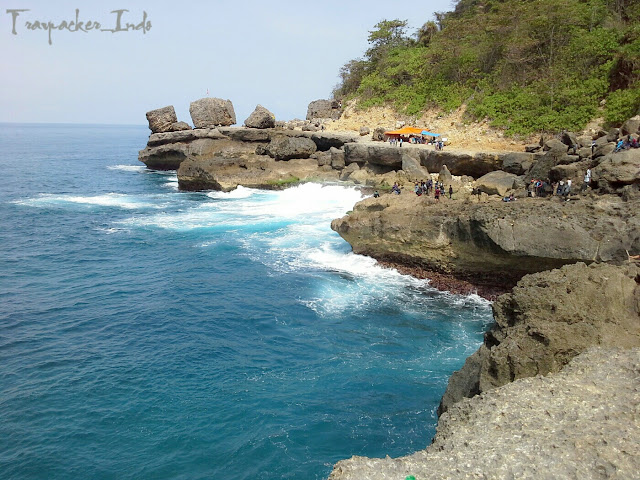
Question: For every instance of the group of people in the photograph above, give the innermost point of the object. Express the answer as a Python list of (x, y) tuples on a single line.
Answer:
[(627, 144), (398, 141), (544, 188), (424, 188)]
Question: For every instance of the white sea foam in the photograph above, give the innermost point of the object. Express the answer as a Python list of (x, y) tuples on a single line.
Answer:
[(116, 200), (128, 168), (240, 192)]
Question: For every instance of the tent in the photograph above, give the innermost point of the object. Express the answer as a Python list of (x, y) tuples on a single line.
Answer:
[(430, 134), (405, 131)]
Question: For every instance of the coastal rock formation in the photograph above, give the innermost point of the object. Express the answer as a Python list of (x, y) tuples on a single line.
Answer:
[(492, 243), (286, 148), (212, 112), (617, 170), (324, 109), (461, 163), (166, 151), (261, 118), (579, 423), (548, 319), (180, 126), (162, 119)]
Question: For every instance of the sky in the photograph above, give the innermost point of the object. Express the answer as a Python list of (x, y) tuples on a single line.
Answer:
[(280, 54)]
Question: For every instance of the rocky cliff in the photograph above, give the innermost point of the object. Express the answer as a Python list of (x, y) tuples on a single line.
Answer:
[(492, 242), (579, 423)]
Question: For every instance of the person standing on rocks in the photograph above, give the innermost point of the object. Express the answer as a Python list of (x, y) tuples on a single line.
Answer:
[(587, 179), (450, 191)]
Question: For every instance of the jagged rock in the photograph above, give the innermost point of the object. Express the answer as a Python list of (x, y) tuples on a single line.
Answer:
[(261, 118), (604, 149), (631, 126), (310, 128), (496, 183), (169, 156), (337, 158), (287, 148), (517, 162), (574, 171), (346, 173), (460, 163), (567, 159), (618, 170), (584, 141), (569, 139), (364, 131), (584, 152), (156, 139), (412, 168), (161, 119), (212, 112), (613, 135), (531, 148), (494, 243), (548, 319), (324, 109), (579, 423), (325, 140), (180, 126), (323, 158), (378, 134), (555, 147)]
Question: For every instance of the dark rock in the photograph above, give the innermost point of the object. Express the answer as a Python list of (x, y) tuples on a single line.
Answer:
[(337, 158), (516, 162), (613, 135), (378, 134), (584, 152), (211, 112), (569, 139), (617, 170), (324, 109), (323, 158), (555, 147), (534, 147), (162, 119), (460, 163), (261, 118), (364, 131), (584, 141), (346, 173), (374, 153), (287, 148), (325, 140), (567, 159), (631, 126), (602, 150)]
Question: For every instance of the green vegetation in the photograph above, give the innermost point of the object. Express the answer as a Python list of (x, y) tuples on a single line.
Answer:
[(283, 182), (527, 65)]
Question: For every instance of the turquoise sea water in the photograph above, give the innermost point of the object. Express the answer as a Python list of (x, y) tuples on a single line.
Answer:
[(147, 333)]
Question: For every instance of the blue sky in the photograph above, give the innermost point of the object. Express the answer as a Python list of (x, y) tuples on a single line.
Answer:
[(279, 54)]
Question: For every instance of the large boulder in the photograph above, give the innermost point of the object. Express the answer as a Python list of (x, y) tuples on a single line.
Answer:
[(517, 162), (631, 126), (548, 319), (445, 176), (324, 109), (460, 163), (180, 126), (496, 183), (287, 148), (212, 112), (337, 158), (325, 140), (413, 169), (260, 118), (162, 119), (375, 153), (378, 134), (618, 170)]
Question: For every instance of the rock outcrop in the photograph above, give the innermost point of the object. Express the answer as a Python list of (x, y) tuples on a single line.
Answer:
[(579, 423), (496, 183), (260, 118), (548, 319), (162, 119), (324, 109), (212, 112), (287, 148), (492, 243)]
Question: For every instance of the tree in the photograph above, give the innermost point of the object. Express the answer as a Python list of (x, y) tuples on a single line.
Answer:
[(426, 33), (386, 35)]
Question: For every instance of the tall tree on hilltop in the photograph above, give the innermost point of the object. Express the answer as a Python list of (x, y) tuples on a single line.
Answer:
[(386, 35)]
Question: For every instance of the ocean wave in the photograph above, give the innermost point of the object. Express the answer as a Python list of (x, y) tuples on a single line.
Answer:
[(127, 168), (117, 200)]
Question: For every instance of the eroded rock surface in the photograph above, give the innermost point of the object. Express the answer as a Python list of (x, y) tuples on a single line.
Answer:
[(579, 423), (212, 112), (548, 319)]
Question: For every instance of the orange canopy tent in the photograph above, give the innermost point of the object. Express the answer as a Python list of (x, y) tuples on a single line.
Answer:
[(406, 131)]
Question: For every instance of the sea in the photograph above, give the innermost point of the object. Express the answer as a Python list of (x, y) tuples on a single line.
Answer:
[(150, 333)]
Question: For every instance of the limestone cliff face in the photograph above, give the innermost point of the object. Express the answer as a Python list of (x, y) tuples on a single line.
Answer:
[(492, 243), (548, 319), (579, 423)]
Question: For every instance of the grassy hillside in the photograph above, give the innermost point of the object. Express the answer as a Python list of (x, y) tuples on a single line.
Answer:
[(527, 65)]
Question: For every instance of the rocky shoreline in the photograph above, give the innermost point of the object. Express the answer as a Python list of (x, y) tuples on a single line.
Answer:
[(562, 270)]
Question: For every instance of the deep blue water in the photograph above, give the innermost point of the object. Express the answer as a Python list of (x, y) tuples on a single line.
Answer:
[(147, 333)]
